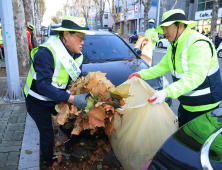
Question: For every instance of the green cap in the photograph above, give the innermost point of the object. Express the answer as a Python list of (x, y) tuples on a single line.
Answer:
[(31, 27), (76, 24), (172, 16)]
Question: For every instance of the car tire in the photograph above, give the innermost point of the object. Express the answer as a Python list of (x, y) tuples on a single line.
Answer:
[(219, 54), (160, 45), (130, 40)]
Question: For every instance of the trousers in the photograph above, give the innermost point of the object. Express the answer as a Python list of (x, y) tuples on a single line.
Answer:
[(185, 116)]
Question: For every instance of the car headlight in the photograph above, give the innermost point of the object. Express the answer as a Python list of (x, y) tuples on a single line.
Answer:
[(165, 82)]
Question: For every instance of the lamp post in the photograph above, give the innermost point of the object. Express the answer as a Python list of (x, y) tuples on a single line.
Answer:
[(14, 92)]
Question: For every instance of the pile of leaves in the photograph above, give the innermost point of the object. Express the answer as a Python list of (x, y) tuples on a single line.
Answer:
[(101, 105)]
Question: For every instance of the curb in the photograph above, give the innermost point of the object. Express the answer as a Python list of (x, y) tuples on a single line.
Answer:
[(30, 142)]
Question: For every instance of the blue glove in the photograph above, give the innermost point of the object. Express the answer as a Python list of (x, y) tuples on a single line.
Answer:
[(80, 101)]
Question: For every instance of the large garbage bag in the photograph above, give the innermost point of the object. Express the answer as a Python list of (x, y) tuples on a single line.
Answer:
[(143, 128), (146, 46)]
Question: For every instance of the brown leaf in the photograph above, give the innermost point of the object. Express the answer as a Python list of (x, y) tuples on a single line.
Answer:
[(109, 108), (77, 130), (58, 144), (99, 151), (93, 82), (97, 112), (63, 115), (96, 122), (84, 90), (59, 159), (100, 90), (109, 127), (100, 142), (107, 148), (61, 105), (85, 125), (55, 118), (73, 110), (93, 158), (93, 131)]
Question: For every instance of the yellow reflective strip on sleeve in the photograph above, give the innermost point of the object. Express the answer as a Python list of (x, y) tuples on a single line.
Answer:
[(200, 108)]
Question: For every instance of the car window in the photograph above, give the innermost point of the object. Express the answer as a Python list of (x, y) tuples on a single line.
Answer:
[(53, 32), (105, 47)]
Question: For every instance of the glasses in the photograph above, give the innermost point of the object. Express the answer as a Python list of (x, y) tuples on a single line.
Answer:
[(82, 39)]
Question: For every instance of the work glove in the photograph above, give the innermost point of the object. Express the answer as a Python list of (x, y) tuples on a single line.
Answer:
[(134, 74), (158, 97), (80, 101)]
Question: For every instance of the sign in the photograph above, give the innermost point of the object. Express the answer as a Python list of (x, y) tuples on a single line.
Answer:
[(130, 15), (118, 16), (206, 14)]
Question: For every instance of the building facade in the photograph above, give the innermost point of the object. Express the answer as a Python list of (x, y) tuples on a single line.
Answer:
[(135, 14)]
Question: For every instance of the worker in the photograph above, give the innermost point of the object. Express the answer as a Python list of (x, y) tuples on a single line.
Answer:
[(30, 31), (1, 42), (150, 33), (55, 64), (192, 61)]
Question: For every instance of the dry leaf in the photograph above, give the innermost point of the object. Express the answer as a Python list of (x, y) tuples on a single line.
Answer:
[(77, 130), (99, 151), (63, 115)]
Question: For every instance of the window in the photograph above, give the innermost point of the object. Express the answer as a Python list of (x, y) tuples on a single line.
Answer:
[(106, 16), (206, 5)]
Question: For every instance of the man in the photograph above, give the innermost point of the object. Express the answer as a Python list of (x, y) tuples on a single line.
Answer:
[(203, 32), (54, 64), (30, 30), (1, 42), (218, 40), (135, 32), (150, 33), (192, 61)]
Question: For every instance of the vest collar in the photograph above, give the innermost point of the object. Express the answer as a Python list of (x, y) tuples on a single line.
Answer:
[(182, 36)]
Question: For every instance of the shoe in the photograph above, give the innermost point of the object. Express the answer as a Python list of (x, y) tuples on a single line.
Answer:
[(75, 151)]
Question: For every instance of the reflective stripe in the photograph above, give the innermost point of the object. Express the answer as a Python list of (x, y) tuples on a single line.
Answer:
[(198, 92), (210, 72), (59, 86), (213, 70), (33, 74), (57, 70), (184, 55), (38, 96), (200, 108)]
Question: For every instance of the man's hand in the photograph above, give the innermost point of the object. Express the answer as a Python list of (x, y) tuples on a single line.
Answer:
[(134, 74), (160, 96), (80, 101)]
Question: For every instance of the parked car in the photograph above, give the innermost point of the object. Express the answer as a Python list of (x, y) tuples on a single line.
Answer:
[(219, 50), (163, 43), (51, 32), (109, 53), (134, 38), (195, 146)]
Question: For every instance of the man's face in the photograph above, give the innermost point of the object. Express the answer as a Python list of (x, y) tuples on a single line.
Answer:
[(74, 42), (170, 32)]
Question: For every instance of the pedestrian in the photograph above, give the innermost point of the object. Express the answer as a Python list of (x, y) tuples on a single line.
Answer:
[(150, 33), (135, 32), (193, 64), (55, 64), (218, 40), (203, 32), (209, 35), (30, 31), (1, 42)]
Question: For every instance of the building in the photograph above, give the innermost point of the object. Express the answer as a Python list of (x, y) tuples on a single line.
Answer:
[(135, 8), (199, 10)]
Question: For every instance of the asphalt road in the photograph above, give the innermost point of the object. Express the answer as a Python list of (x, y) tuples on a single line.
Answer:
[(157, 56)]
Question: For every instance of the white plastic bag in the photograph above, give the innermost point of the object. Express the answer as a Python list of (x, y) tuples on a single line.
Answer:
[(143, 128)]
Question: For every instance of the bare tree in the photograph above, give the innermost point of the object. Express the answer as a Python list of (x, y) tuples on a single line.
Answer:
[(164, 5), (125, 11), (147, 6), (214, 19), (97, 13), (21, 37), (114, 15), (175, 4), (85, 6), (101, 12)]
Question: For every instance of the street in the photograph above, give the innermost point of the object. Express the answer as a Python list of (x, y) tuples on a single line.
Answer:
[(157, 56)]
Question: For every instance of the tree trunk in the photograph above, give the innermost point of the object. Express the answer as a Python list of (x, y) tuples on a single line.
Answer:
[(164, 4), (29, 16), (147, 6), (21, 37), (125, 10), (214, 20), (101, 14)]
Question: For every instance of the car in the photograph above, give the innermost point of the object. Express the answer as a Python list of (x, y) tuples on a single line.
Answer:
[(219, 50), (134, 38), (196, 145), (109, 53), (163, 43), (51, 32)]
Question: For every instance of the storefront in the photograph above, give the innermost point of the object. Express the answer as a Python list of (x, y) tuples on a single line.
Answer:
[(204, 21)]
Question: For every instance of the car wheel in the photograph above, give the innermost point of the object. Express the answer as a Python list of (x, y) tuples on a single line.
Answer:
[(219, 54), (160, 45), (130, 40)]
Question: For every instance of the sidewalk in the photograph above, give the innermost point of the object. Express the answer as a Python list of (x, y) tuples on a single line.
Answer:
[(12, 126)]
